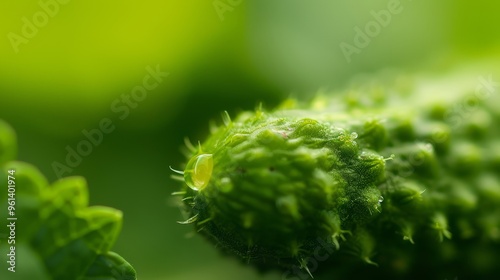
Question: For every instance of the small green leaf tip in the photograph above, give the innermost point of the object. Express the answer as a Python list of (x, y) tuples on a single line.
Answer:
[(387, 179)]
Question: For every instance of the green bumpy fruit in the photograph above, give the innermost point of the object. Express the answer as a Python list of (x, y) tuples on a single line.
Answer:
[(402, 176)]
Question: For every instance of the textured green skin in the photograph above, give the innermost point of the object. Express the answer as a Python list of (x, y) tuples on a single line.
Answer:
[(408, 182)]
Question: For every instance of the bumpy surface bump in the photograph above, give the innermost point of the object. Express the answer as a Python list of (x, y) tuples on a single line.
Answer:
[(406, 184)]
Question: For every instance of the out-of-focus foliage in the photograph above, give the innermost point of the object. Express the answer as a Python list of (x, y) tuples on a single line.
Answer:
[(55, 234)]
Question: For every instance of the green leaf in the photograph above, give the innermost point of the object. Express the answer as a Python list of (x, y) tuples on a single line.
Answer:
[(110, 266), (58, 236)]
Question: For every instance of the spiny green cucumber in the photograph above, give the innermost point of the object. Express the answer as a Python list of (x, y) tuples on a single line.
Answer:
[(403, 176)]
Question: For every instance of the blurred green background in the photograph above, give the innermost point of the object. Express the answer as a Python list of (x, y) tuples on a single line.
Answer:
[(65, 64)]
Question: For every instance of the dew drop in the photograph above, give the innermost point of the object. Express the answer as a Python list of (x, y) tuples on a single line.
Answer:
[(199, 171), (225, 185), (354, 135), (380, 199)]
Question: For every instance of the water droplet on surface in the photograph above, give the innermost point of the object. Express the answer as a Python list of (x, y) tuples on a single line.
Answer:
[(380, 199), (199, 171), (354, 135), (225, 185)]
